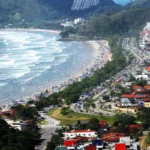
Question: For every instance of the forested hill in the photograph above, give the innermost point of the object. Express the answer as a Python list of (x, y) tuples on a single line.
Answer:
[(36, 10), (128, 21)]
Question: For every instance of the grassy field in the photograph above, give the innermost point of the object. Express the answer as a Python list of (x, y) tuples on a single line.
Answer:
[(73, 117)]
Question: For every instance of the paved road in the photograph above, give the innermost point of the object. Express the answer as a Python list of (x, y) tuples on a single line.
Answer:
[(75, 108), (50, 128)]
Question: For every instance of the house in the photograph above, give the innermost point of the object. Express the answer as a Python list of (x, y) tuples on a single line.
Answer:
[(8, 114), (103, 123), (146, 102), (135, 126), (98, 143), (82, 133), (128, 96), (67, 24), (128, 84), (137, 88), (78, 20), (75, 141), (140, 97), (120, 146), (17, 125), (126, 100), (147, 70), (90, 147), (70, 143), (112, 137), (142, 77), (126, 140), (82, 143), (147, 87)]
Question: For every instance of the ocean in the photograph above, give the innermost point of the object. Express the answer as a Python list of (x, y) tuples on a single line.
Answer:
[(31, 62)]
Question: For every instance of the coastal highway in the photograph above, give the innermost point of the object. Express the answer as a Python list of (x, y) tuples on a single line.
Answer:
[(49, 130), (129, 45)]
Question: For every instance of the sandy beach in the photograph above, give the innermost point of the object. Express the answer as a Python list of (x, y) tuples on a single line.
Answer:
[(102, 54), (31, 29)]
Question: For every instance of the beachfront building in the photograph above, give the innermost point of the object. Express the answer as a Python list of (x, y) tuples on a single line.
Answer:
[(82, 133)]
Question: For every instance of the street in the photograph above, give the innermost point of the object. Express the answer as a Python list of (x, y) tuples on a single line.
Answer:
[(50, 128)]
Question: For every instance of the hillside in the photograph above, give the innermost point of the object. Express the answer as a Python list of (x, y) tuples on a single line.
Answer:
[(145, 3), (128, 21), (14, 11)]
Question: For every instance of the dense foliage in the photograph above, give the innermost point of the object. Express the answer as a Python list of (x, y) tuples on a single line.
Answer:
[(24, 113), (11, 139), (125, 22), (38, 13)]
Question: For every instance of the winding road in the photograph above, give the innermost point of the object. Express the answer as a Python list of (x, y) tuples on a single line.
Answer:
[(47, 134)]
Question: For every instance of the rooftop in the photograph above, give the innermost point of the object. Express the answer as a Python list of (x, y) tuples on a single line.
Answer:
[(147, 68), (77, 131)]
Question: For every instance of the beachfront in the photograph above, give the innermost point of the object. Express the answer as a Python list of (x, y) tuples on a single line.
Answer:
[(102, 54)]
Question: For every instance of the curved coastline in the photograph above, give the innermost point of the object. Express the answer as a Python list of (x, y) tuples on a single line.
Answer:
[(101, 52)]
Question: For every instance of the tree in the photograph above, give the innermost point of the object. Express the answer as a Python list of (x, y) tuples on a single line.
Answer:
[(51, 146), (17, 16), (143, 115), (93, 106), (122, 122), (93, 124)]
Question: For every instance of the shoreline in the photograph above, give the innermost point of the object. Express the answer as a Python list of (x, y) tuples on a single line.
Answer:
[(102, 54), (30, 29)]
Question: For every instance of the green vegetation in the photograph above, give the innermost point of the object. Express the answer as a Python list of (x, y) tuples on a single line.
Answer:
[(122, 121), (126, 22), (44, 13), (72, 117), (11, 139), (25, 112), (144, 116)]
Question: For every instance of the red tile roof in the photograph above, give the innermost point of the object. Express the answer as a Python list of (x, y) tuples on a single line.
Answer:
[(147, 87), (133, 126), (137, 87), (141, 96), (127, 96), (146, 100), (112, 136), (76, 131), (147, 69)]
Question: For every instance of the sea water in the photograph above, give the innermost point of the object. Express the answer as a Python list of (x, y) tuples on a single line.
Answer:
[(32, 61)]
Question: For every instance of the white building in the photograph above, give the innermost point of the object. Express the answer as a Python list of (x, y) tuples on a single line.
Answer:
[(67, 24), (147, 26), (78, 20), (143, 77), (17, 125), (83, 133)]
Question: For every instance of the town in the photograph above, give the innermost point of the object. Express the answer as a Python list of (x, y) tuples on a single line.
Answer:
[(124, 98)]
